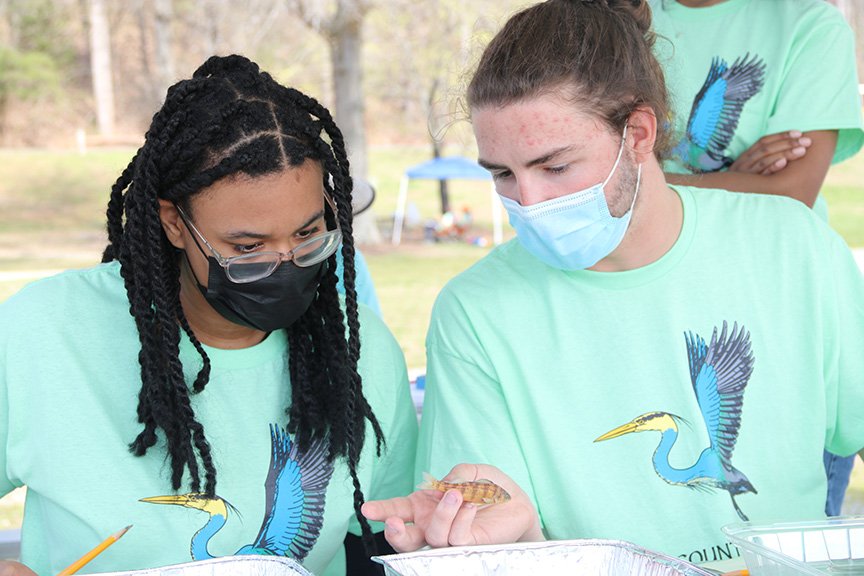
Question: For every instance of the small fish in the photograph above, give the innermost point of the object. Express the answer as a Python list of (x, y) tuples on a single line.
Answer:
[(477, 492)]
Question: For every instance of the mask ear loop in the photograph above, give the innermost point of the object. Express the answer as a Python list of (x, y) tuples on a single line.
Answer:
[(618, 158), (615, 166)]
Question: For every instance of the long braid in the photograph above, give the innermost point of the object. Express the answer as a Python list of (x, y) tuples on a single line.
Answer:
[(230, 118), (114, 213), (347, 435), (355, 397)]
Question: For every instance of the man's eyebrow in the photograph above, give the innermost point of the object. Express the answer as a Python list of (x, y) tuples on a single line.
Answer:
[(539, 160), (549, 156), (489, 165), (238, 234)]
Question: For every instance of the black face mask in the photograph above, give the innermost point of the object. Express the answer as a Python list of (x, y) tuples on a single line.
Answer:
[(268, 304)]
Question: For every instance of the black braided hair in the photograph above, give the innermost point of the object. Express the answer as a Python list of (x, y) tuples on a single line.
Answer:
[(232, 118)]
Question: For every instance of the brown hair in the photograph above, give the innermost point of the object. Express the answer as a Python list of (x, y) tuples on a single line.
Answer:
[(600, 51)]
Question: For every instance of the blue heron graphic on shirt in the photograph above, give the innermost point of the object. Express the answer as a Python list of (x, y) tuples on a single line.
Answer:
[(719, 373), (295, 492), (716, 110)]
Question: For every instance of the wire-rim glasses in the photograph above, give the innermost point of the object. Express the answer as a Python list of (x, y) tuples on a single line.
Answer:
[(255, 266)]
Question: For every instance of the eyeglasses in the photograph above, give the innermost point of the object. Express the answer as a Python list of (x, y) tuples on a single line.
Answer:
[(255, 266)]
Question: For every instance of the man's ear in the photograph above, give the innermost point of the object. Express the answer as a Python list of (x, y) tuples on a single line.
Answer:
[(642, 132), (172, 224)]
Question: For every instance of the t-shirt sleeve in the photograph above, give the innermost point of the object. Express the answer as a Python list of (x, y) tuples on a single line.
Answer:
[(6, 484), (364, 285), (390, 396), (362, 281), (844, 371), (819, 86), (466, 418)]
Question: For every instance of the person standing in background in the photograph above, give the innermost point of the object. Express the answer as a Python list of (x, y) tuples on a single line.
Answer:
[(764, 99), (764, 93)]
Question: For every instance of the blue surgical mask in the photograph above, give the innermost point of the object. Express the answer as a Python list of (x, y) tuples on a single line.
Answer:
[(575, 231)]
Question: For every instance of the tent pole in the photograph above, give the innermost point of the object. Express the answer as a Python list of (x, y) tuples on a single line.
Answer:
[(399, 216)]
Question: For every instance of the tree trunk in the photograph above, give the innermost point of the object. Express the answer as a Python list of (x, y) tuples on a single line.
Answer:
[(443, 192), (345, 54), (346, 50), (100, 67), (163, 39)]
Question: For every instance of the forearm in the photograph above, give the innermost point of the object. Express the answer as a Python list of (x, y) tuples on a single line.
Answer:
[(801, 179)]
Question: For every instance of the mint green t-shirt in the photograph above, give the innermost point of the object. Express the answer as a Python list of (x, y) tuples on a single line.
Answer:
[(529, 365), (744, 69), (69, 386)]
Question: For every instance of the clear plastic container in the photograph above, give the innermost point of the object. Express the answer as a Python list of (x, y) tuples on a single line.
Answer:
[(553, 558), (825, 547)]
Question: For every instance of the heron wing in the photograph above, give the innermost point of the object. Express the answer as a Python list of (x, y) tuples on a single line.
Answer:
[(718, 104), (719, 386), (696, 351), (707, 105), (295, 489)]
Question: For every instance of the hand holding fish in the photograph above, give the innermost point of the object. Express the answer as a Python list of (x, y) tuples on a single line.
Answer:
[(488, 508)]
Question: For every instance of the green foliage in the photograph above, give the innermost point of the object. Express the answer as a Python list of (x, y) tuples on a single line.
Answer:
[(38, 48), (40, 26), (846, 212), (28, 75)]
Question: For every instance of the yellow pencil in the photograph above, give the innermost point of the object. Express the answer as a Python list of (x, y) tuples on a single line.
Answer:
[(78, 564)]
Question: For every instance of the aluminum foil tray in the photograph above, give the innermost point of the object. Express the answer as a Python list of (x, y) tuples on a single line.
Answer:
[(831, 546), (558, 557), (226, 566)]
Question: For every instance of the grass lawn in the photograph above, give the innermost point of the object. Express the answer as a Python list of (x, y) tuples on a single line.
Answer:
[(52, 206)]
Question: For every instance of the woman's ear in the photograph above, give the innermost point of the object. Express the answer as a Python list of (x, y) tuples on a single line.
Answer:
[(172, 224), (642, 132)]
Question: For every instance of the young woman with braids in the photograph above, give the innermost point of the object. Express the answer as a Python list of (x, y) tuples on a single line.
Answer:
[(208, 374), (628, 305)]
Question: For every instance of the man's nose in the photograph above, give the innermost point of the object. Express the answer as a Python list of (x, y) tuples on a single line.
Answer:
[(530, 192)]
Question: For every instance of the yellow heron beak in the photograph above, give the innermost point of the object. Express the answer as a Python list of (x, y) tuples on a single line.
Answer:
[(176, 499), (196, 500), (631, 426)]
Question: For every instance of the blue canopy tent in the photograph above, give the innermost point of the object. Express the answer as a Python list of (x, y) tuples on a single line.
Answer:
[(445, 168)]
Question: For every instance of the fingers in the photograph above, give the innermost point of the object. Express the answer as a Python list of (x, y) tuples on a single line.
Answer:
[(462, 531), (403, 537), (772, 153), (383, 509), (449, 524), (441, 523), (463, 473)]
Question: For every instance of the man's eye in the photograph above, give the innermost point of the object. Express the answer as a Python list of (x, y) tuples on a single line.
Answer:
[(503, 175), (558, 169)]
